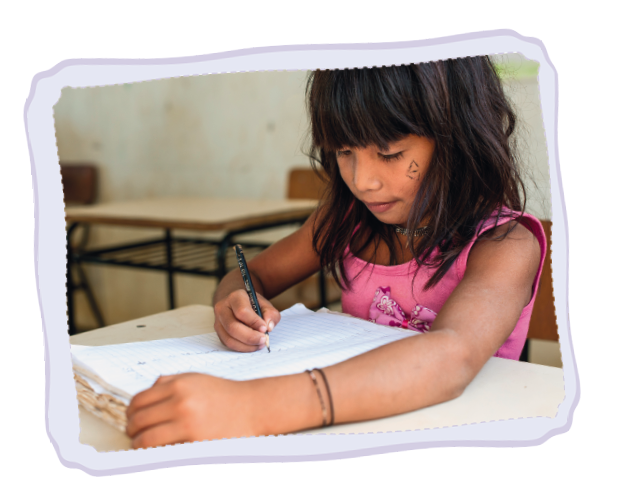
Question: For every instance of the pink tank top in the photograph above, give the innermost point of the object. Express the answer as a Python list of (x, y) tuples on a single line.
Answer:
[(383, 294)]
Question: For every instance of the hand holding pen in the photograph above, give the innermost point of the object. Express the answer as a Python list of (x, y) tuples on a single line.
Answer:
[(237, 323), (248, 284)]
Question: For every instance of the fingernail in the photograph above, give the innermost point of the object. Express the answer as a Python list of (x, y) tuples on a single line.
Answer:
[(262, 340), (271, 325), (262, 328)]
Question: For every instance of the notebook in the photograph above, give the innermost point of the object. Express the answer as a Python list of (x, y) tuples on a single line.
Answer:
[(109, 376)]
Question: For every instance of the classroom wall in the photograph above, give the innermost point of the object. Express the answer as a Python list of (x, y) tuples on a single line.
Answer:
[(524, 93), (215, 135)]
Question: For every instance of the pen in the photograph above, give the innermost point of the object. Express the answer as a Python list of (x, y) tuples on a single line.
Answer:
[(248, 284)]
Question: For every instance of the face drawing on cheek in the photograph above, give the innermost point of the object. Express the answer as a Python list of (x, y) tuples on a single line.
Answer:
[(413, 171)]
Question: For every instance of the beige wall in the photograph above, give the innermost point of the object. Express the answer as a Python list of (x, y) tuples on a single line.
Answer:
[(524, 94), (215, 135)]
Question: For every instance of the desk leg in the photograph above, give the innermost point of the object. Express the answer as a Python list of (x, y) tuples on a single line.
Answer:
[(170, 269), (85, 285), (221, 256), (70, 288)]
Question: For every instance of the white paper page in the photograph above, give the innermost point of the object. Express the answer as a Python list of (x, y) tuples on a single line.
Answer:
[(302, 340)]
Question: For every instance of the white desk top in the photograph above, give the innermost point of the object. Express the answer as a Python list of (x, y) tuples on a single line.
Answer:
[(197, 213), (503, 389)]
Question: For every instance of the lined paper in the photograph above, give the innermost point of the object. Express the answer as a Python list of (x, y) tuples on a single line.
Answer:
[(302, 340)]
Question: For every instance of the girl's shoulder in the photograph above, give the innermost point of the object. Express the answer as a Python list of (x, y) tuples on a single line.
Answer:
[(505, 220), (521, 235), (512, 226)]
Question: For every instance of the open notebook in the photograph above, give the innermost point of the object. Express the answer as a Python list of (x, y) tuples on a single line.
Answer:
[(109, 376)]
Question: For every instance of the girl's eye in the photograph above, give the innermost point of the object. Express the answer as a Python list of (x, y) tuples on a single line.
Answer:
[(345, 152), (392, 157)]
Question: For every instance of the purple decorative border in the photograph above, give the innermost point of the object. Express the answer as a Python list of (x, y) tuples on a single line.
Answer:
[(50, 250)]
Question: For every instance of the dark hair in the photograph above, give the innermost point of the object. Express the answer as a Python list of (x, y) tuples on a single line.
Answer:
[(461, 105)]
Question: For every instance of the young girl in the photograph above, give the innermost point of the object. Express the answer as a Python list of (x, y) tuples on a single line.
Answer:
[(422, 226)]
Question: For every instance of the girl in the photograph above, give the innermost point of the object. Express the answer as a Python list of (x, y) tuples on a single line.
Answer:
[(422, 225)]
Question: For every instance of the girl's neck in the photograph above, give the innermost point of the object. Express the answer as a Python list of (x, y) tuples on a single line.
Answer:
[(379, 253)]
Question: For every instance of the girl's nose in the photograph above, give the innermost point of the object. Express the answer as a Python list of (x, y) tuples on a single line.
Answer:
[(366, 175)]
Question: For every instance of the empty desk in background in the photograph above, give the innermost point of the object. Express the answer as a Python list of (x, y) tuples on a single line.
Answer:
[(504, 389), (205, 257)]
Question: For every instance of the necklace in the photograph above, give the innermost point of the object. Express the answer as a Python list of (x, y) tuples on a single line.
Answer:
[(409, 232)]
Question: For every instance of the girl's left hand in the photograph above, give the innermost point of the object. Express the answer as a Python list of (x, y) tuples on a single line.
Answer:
[(189, 407)]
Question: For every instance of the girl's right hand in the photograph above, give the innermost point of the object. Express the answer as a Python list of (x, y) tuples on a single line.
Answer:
[(237, 324)]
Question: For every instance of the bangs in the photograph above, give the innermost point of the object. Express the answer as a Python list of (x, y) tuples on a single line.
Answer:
[(363, 107), (459, 104)]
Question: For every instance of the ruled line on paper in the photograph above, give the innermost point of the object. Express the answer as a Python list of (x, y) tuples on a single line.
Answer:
[(302, 340)]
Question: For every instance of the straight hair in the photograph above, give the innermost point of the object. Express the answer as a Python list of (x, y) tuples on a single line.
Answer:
[(459, 104)]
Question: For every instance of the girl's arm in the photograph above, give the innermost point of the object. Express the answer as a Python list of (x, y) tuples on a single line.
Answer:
[(400, 377), (437, 366), (277, 268)]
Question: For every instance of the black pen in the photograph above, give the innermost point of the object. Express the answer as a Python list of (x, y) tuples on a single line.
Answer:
[(248, 284)]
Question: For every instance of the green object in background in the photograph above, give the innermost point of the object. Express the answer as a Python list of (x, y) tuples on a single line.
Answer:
[(516, 67)]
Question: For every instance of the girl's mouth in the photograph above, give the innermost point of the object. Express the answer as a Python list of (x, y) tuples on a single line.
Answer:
[(378, 207)]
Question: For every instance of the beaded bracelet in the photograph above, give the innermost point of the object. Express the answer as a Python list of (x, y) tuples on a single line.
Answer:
[(323, 406)]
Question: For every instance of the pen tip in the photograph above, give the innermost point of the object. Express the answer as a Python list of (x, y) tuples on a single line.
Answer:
[(268, 349)]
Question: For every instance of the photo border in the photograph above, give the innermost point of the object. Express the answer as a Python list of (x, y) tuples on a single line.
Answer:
[(62, 421)]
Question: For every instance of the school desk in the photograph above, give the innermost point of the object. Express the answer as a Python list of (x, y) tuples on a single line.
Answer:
[(504, 389), (172, 254)]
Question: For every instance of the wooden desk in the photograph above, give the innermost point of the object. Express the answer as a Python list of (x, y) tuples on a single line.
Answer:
[(194, 213), (171, 254), (504, 389)]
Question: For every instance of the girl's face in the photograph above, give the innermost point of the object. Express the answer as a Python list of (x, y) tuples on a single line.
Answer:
[(387, 180)]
